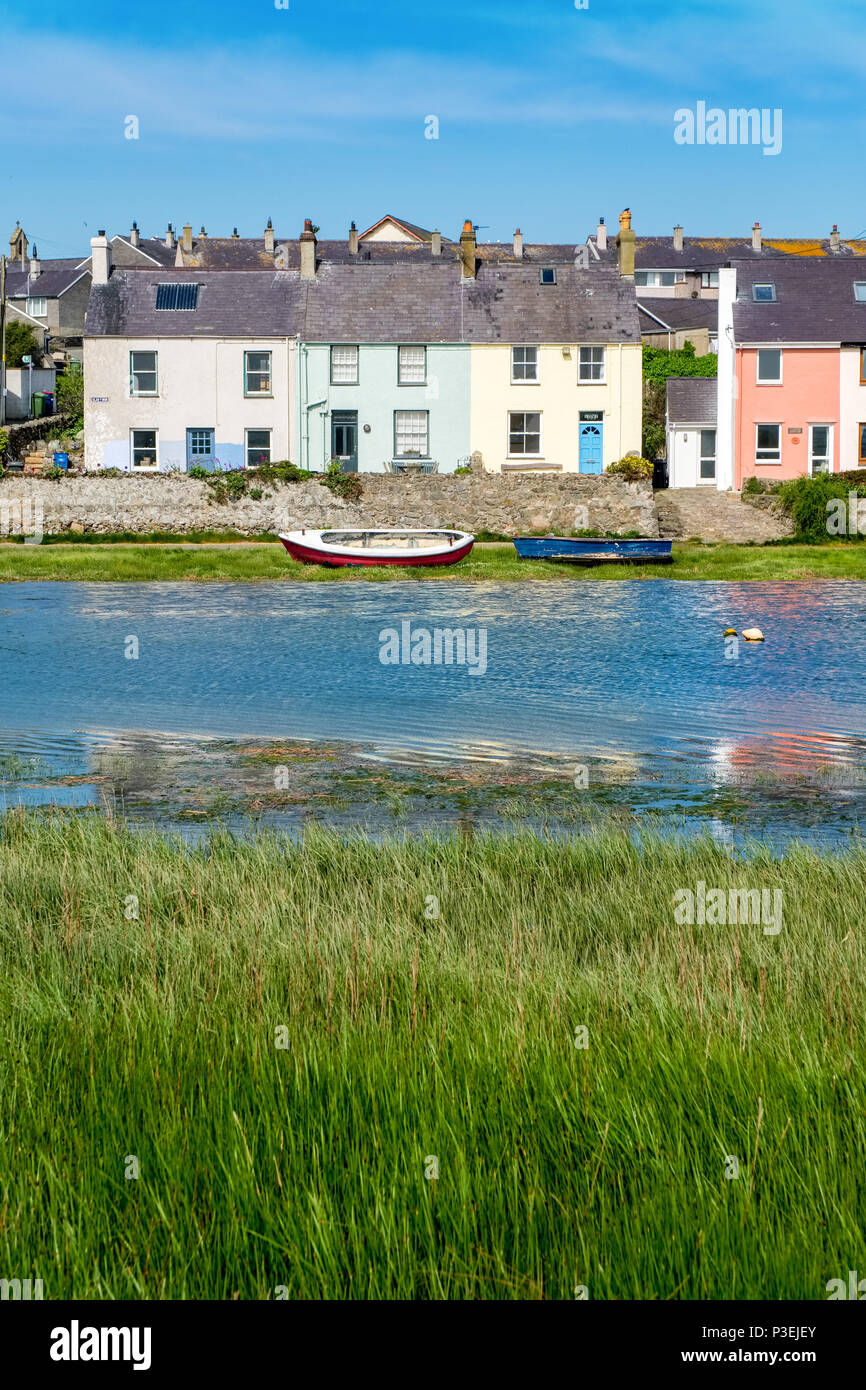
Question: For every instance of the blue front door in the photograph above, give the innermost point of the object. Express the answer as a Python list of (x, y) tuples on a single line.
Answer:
[(591, 439)]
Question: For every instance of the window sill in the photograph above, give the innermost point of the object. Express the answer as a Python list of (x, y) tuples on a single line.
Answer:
[(258, 395), (525, 383), (411, 383), (591, 383), (768, 463), (345, 383), (759, 382)]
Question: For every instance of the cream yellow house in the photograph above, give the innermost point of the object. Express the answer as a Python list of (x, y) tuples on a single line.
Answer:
[(555, 360)]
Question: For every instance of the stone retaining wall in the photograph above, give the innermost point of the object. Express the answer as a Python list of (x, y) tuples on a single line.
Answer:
[(490, 502)]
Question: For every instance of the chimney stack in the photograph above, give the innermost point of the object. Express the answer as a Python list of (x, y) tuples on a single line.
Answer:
[(35, 265), (203, 234), (756, 237), (835, 239), (134, 238), (467, 251), (353, 239), (187, 238), (601, 235), (307, 242), (234, 235), (436, 244), (518, 245), (169, 238), (100, 258), (269, 238), (625, 245), (678, 237)]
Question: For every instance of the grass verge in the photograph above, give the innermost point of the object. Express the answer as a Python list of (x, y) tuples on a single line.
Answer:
[(120, 562), (430, 994)]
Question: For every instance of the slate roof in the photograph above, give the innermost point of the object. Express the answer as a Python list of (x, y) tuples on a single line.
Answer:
[(708, 253), (248, 253), (814, 303), (56, 277), (677, 313), (152, 246), (692, 400), (230, 304), (424, 302)]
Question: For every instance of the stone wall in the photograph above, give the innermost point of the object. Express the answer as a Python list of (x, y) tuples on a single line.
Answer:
[(490, 502), (23, 436)]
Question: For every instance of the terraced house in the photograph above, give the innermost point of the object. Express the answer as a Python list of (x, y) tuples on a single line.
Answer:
[(393, 350), (792, 368)]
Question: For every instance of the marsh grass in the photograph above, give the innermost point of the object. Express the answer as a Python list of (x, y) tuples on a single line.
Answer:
[(120, 562), (412, 1036)]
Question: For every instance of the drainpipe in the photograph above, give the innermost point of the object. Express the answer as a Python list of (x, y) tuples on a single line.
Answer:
[(619, 412)]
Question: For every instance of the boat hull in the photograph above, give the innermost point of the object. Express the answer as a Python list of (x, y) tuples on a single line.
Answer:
[(311, 550), (588, 550)]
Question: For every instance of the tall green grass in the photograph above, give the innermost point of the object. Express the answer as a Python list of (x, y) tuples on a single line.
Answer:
[(413, 1037)]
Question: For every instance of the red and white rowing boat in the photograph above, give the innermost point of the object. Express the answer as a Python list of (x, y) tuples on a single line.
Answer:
[(386, 547)]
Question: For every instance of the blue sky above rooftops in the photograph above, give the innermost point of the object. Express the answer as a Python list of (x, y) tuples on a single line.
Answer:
[(548, 116)]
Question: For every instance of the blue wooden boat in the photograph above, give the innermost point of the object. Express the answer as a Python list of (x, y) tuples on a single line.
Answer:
[(592, 550)]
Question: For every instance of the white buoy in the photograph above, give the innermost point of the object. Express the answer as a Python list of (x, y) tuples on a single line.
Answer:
[(753, 634)]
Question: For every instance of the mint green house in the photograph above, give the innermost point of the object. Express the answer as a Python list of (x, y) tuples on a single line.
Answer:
[(383, 378)]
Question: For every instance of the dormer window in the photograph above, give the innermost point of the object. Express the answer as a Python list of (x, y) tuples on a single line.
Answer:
[(764, 294), (860, 291), (547, 275)]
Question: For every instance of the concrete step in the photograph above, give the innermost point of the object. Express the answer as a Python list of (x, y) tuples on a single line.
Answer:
[(708, 515)]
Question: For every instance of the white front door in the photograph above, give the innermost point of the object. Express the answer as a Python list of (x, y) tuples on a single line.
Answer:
[(820, 449)]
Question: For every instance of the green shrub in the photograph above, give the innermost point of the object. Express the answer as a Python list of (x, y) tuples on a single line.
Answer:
[(806, 500), (4, 442), (70, 396), (633, 470)]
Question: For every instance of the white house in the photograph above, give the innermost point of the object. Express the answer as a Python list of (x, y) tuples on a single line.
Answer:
[(187, 367)]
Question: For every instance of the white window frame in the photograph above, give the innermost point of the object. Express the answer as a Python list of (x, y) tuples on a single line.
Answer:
[(707, 280), (32, 301), (524, 432), (652, 279), (768, 425), (410, 435), (860, 285), (258, 429), (142, 371), (768, 380), (151, 467), (403, 380), (702, 481), (821, 425), (258, 373), (525, 380), (547, 270), (764, 285), (346, 347), (591, 380)]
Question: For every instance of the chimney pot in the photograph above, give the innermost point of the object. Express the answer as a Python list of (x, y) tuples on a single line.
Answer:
[(835, 239), (678, 237), (307, 244), (353, 239), (756, 237), (467, 251), (518, 245), (269, 238), (100, 259), (35, 266), (134, 238), (625, 244), (601, 235), (169, 238)]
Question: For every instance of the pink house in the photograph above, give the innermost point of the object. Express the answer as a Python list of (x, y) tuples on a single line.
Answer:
[(792, 367)]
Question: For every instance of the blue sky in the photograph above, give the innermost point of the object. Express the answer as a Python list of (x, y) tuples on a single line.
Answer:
[(549, 116)]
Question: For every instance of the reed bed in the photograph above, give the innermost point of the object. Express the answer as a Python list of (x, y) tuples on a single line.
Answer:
[(290, 1040)]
